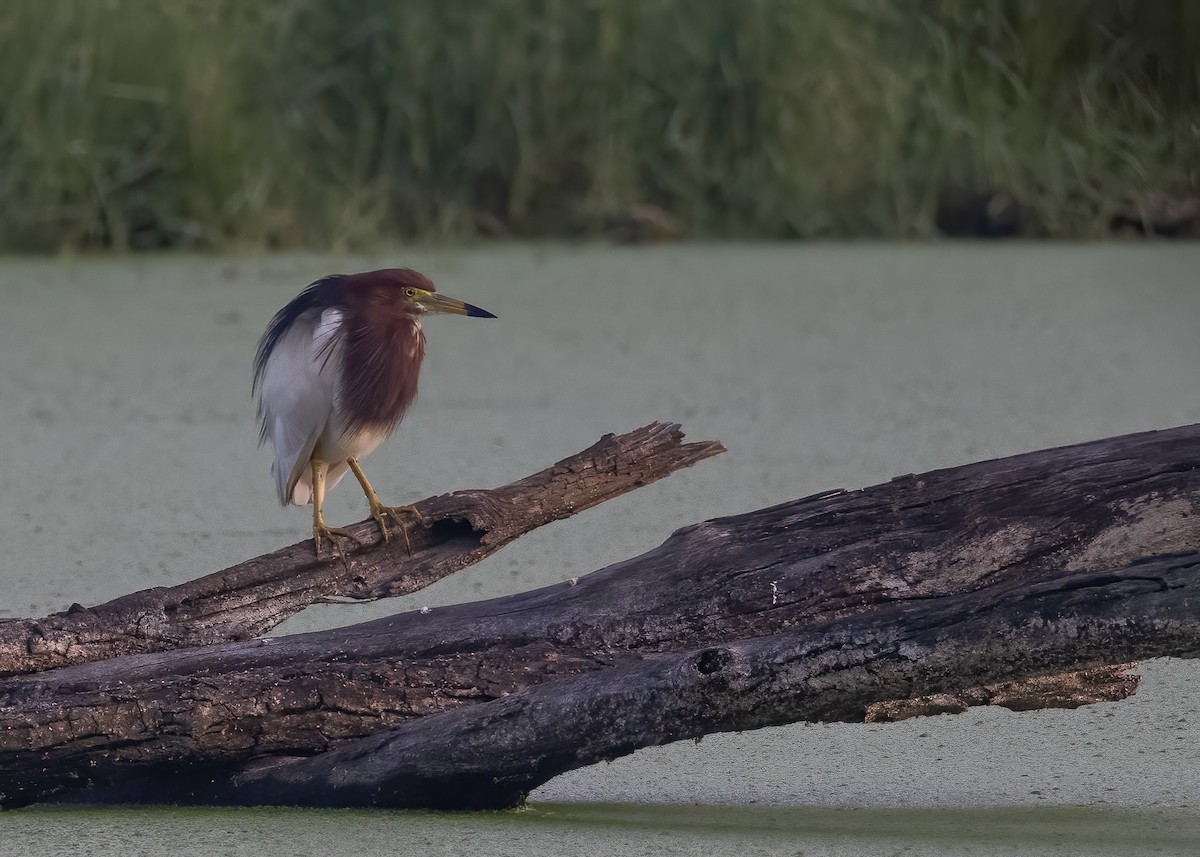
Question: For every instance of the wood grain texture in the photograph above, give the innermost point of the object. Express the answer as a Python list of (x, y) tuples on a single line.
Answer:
[(492, 755), (967, 582)]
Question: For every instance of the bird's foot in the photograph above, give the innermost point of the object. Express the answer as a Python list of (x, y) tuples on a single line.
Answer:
[(381, 513), (333, 534)]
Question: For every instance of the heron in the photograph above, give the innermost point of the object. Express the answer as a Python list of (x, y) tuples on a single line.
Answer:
[(334, 374)]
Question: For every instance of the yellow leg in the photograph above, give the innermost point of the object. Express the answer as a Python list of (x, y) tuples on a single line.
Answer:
[(379, 511), (318, 499)]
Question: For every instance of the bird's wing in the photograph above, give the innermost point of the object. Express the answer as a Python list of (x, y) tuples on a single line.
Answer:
[(296, 394)]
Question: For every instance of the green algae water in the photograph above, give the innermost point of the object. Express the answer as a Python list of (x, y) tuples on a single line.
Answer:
[(131, 461), (609, 829)]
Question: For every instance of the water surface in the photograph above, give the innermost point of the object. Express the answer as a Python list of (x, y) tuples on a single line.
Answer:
[(599, 829), (130, 461)]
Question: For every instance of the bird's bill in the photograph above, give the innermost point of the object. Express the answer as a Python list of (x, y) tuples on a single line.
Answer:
[(434, 302)]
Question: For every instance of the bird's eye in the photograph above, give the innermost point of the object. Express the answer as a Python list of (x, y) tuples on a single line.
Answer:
[(412, 293)]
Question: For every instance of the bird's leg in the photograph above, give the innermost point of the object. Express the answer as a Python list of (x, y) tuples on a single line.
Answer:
[(318, 499), (381, 512)]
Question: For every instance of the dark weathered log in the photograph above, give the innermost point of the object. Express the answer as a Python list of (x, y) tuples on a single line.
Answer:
[(895, 554), (493, 755), (251, 598)]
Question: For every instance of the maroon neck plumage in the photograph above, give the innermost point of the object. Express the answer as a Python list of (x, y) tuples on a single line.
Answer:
[(382, 349)]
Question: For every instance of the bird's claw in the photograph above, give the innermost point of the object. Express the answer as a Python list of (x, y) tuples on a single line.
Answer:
[(381, 513), (333, 533)]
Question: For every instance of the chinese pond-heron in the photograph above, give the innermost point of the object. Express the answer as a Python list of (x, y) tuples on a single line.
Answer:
[(335, 371)]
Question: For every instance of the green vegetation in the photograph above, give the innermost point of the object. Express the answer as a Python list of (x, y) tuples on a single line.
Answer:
[(338, 123)]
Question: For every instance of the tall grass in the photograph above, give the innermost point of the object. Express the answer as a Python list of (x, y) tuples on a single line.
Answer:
[(337, 123)]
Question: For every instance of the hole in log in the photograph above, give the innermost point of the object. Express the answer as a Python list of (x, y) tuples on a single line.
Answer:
[(712, 660), (446, 530)]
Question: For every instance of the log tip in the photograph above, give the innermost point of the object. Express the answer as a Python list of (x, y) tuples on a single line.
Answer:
[(654, 439), (706, 448), (671, 434)]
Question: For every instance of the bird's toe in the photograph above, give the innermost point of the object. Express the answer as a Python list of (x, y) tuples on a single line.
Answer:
[(396, 513), (333, 534)]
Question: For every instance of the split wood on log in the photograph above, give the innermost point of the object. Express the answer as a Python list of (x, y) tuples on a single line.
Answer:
[(844, 606)]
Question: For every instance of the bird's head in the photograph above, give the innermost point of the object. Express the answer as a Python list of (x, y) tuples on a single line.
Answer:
[(416, 295)]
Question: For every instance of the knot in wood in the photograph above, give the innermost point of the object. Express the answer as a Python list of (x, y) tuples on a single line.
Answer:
[(712, 660)]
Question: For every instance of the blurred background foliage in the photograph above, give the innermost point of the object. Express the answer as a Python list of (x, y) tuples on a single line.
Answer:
[(342, 123)]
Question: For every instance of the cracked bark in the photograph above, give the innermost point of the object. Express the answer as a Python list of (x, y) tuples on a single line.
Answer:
[(474, 757), (980, 583)]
